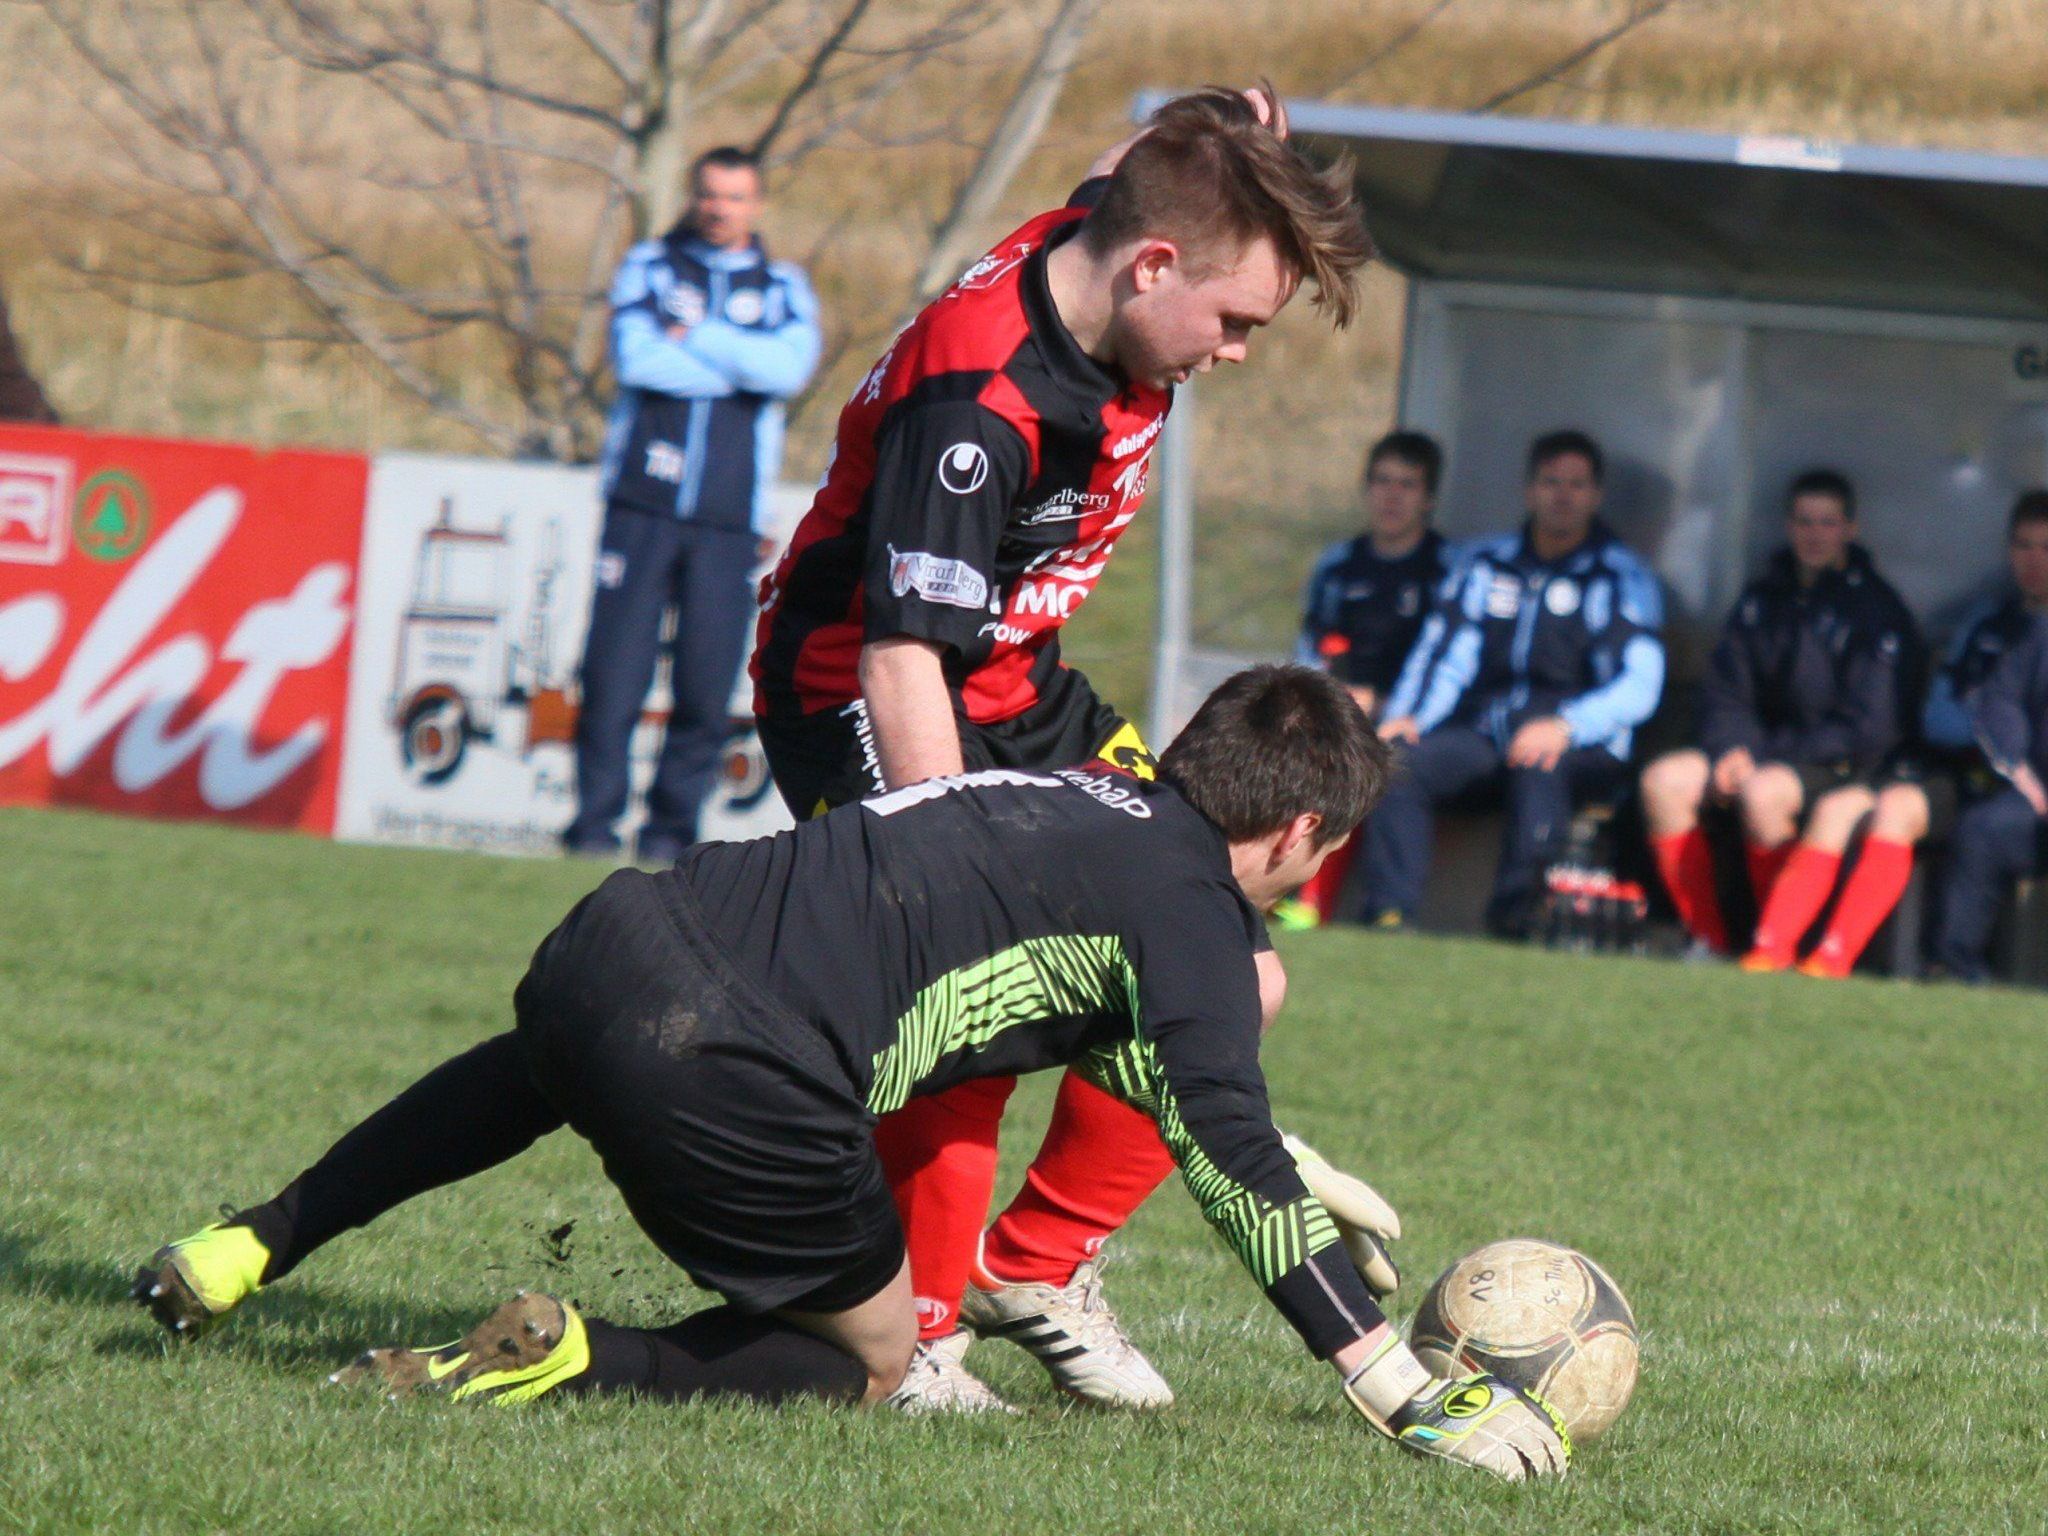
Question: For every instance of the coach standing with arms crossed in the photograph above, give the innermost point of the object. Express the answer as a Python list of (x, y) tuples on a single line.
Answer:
[(709, 337)]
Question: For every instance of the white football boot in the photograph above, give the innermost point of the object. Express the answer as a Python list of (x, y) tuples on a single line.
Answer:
[(1074, 1334), (938, 1380)]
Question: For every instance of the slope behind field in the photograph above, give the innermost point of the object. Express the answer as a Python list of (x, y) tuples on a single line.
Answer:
[(1822, 1200)]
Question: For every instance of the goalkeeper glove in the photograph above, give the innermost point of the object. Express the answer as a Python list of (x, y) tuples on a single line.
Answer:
[(1478, 1420), (1365, 1221)]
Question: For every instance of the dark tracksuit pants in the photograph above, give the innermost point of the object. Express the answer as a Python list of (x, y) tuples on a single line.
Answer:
[(1997, 840), (648, 562), (1454, 760)]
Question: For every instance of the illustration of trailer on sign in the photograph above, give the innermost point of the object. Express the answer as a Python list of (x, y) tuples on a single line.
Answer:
[(461, 678), (457, 669)]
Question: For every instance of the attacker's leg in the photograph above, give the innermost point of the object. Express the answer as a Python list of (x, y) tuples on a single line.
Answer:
[(940, 1157), (1099, 1161)]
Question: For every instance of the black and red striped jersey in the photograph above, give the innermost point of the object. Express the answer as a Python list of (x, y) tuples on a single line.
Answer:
[(982, 471)]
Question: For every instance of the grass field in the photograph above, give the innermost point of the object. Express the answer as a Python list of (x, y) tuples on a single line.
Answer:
[(1825, 1203)]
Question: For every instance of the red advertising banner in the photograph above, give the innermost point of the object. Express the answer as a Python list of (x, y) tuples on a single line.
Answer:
[(175, 625)]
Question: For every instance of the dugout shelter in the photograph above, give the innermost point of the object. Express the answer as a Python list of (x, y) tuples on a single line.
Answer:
[(1720, 313)]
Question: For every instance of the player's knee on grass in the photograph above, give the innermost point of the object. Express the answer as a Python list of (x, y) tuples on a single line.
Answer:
[(1771, 802), (1835, 816), (1674, 786), (880, 1333)]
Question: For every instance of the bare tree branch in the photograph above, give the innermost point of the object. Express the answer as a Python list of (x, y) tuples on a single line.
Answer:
[(813, 72), (573, 16), (1640, 12), (1022, 122), (1393, 45)]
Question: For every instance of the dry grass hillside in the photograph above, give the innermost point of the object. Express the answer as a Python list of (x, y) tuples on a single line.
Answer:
[(1960, 73), (1955, 73)]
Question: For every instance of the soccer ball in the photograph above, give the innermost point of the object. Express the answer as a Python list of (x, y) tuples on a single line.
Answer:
[(1540, 1317)]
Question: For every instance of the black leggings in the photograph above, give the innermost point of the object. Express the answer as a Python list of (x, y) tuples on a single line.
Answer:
[(479, 1110)]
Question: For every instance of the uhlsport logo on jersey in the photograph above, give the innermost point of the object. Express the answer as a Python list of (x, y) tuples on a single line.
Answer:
[(1126, 446), (987, 270), (962, 468), (936, 579)]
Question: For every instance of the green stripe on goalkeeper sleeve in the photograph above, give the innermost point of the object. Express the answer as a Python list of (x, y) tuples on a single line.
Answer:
[(1269, 1239), (1053, 977)]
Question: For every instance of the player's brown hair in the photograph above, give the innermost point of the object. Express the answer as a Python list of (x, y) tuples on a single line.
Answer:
[(1208, 173), (1274, 743)]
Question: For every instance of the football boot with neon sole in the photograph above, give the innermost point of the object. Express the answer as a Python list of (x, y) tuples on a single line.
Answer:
[(190, 1285), (938, 1381), (527, 1348), (1072, 1332)]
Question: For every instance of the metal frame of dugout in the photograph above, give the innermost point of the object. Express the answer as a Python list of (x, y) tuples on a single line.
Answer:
[(1719, 313)]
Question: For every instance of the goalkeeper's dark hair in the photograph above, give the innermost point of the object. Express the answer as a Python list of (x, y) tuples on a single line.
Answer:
[(1274, 743)]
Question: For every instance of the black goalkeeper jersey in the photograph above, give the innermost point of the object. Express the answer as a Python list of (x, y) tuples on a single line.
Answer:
[(1002, 922)]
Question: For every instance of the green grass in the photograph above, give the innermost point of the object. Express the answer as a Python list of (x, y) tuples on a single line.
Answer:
[(1824, 1202)]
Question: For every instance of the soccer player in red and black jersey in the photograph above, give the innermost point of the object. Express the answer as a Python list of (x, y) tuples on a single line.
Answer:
[(982, 472)]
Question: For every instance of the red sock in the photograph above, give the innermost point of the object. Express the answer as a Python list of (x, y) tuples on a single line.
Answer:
[(1765, 865), (1328, 884), (1687, 865), (1099, 1160), (940, 1156), (1874, 888), (1797, 896)]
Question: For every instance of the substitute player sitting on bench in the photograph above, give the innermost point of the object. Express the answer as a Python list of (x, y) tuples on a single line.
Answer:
[(1542, 657), (1809, 689), (726, 1032)]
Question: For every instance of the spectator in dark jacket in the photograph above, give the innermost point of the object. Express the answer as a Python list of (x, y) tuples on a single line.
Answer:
[(21, 398), (1999, 836), (1365, 604), (1945, 773), (1542, 656), (1812, 686)]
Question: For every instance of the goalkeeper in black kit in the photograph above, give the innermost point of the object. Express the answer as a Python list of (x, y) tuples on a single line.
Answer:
[(725, 1034)]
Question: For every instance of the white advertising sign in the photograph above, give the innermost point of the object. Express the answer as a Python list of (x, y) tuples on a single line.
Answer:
[(475, 592)]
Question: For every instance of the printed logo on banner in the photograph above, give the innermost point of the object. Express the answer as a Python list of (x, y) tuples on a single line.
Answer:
[(112, 517), (464, 701), (189, 656), (35, 506)]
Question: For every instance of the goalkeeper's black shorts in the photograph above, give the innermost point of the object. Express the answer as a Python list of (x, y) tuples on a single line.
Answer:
[(729, 1126)]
